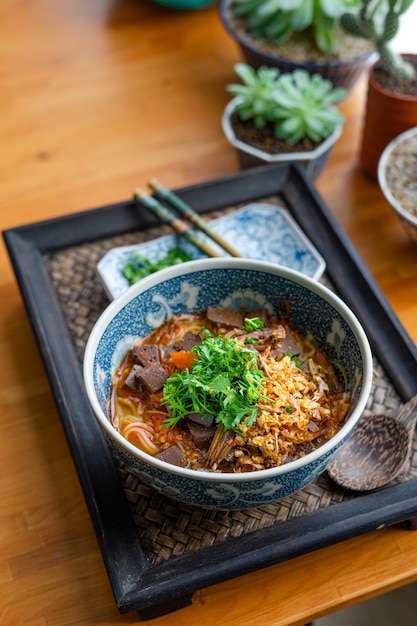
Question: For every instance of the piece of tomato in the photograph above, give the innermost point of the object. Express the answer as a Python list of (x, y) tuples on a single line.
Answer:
[(183, 359)]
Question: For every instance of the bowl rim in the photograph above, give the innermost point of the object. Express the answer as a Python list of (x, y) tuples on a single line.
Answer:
[(226, 263), (382, 179)]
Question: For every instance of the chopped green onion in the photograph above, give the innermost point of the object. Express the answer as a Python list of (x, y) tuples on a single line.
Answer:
[(140, 266), (252, 323)]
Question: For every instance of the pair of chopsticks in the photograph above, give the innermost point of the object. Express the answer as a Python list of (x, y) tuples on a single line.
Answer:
[(182, 227)]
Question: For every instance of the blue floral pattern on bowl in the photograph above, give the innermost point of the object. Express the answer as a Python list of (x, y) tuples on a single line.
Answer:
[(259, 231), (232, 283)]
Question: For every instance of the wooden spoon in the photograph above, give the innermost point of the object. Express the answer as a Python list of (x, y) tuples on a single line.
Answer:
[(377, 450)]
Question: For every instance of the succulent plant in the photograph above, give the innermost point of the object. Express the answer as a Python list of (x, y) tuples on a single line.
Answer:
[(305, 107), (256, 93), (277, 20), (298, 104), (378, 21)]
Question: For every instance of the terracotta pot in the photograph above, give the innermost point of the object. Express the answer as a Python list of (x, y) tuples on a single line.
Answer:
[(186, 4), (387, 114), (248, 156), (341, 73)]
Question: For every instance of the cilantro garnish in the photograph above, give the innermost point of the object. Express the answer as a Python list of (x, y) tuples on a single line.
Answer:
[(225, 381), (140, 266)]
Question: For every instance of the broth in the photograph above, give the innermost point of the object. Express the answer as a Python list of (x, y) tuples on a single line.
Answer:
[(228, 392)]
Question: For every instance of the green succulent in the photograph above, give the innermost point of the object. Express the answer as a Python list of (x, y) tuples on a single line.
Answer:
[(277, 20), (305, 107), (256, 93), (298, 104), (379, 21)]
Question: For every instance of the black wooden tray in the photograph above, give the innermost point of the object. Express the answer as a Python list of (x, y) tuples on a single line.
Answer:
[(154, 587)]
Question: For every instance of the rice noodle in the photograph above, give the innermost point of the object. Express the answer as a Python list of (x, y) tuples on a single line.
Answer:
[(141, 433)]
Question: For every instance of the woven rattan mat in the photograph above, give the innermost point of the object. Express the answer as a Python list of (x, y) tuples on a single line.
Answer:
[(167, 529)]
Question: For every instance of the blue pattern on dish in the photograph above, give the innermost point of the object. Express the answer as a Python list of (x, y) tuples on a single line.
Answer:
[(259, 231)]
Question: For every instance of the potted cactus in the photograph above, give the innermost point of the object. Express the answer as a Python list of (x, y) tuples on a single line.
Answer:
[(391, 105), (299, 34), (278, 118)]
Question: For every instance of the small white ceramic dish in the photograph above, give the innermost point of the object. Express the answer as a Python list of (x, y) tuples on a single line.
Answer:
[(260, 231)]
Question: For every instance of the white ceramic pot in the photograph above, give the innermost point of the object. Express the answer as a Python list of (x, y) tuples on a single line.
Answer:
[(313, 161), (392, 166)]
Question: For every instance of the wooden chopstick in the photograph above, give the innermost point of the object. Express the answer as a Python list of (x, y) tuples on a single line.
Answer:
[(190, 215), (167, 217)]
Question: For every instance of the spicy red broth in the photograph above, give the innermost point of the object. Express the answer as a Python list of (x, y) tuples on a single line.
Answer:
[(226, 391)]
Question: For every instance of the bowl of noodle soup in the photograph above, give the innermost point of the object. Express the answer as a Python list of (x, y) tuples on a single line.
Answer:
[(303, 356)]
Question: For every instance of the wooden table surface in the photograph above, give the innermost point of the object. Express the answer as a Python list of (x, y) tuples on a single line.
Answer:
[(97, 97)]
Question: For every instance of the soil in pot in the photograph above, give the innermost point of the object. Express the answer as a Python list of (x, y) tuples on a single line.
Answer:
[(264, 139), (390, 83), (301, 48), (401, 173), (311, 155)]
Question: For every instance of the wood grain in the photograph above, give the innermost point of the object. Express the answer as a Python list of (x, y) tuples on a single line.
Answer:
[(97, 97)]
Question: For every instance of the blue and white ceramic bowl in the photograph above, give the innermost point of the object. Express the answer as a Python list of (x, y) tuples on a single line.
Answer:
[(231, 283)]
